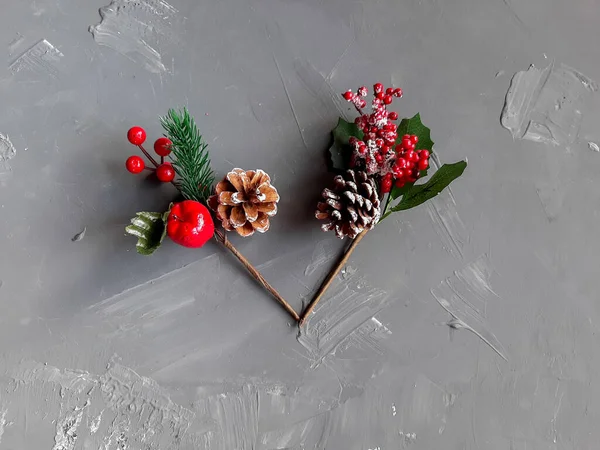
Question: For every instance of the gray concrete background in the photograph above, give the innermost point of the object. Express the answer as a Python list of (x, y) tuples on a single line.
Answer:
[(104, 349)]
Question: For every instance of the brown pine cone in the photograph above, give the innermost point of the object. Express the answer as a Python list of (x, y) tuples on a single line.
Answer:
[(351, 206), (244, 201)]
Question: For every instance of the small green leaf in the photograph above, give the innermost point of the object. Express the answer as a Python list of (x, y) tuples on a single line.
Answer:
[(416, 127), (341, 151), (150, 228), (437, 183)]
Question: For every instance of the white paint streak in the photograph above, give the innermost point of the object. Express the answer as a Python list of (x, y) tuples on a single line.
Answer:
[(465, 297), (593, 146), (236, 414), (137, 413), (545, 105), (346, 316), (95, 424), (2, 422), (323, 253), (7, 149), (41, 59), (446, 220), (66, 429), (136, 29), (154, 299), (15, 43)]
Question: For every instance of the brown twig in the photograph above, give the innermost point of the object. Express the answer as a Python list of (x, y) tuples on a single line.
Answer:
[(222, 238), (148, 155), (332, 274)]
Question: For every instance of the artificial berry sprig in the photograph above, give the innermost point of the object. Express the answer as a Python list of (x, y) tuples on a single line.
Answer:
[(189, 223), (164, 170), (377, 157), (377, 152)]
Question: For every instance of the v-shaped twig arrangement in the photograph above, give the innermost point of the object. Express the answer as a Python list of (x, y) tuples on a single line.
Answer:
[(374, 159)]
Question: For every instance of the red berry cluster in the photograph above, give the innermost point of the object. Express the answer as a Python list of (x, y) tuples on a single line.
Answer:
[(408, 165), (378, 152), (375, 150), (162, 146)]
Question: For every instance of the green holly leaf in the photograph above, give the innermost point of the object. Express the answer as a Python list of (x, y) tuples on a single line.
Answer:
[(341, 151), (416, 127), (420, 193), (150, 228)]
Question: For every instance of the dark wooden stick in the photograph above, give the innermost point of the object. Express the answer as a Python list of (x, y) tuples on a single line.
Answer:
[(332, 274), (222, 238)]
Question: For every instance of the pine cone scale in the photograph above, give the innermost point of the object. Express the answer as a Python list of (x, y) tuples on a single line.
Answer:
[(251, 211), (270, 208)]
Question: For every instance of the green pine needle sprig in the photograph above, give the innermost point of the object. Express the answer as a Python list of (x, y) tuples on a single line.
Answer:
[(190, 155)]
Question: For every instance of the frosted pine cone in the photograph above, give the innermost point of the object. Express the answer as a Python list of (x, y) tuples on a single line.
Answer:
[(244, 201), (351, 206)]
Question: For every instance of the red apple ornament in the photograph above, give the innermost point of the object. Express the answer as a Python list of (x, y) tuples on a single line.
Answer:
[(190, 224)]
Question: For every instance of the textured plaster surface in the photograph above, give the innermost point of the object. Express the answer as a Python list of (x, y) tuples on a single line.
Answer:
[(469, 323)]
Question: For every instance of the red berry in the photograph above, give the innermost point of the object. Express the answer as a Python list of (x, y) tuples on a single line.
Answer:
[(162, 146), (414, 139), (348, 95), (398, 92), (405, 143), (362, 91), (401, 163), (380, 95), (423, 164), (378, 88), (136, 135), (386, 184), (135, 164), (393, 115), (362, 149), (412, 156), (389, 91), (378, 142), (399, 183), (423, 154), (190, 224), (410, 145), (387, 99), (378, 157), (398, 173), (165, 172), (384, 149)]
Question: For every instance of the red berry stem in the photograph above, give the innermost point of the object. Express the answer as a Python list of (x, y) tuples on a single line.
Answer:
[(148, 155)]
